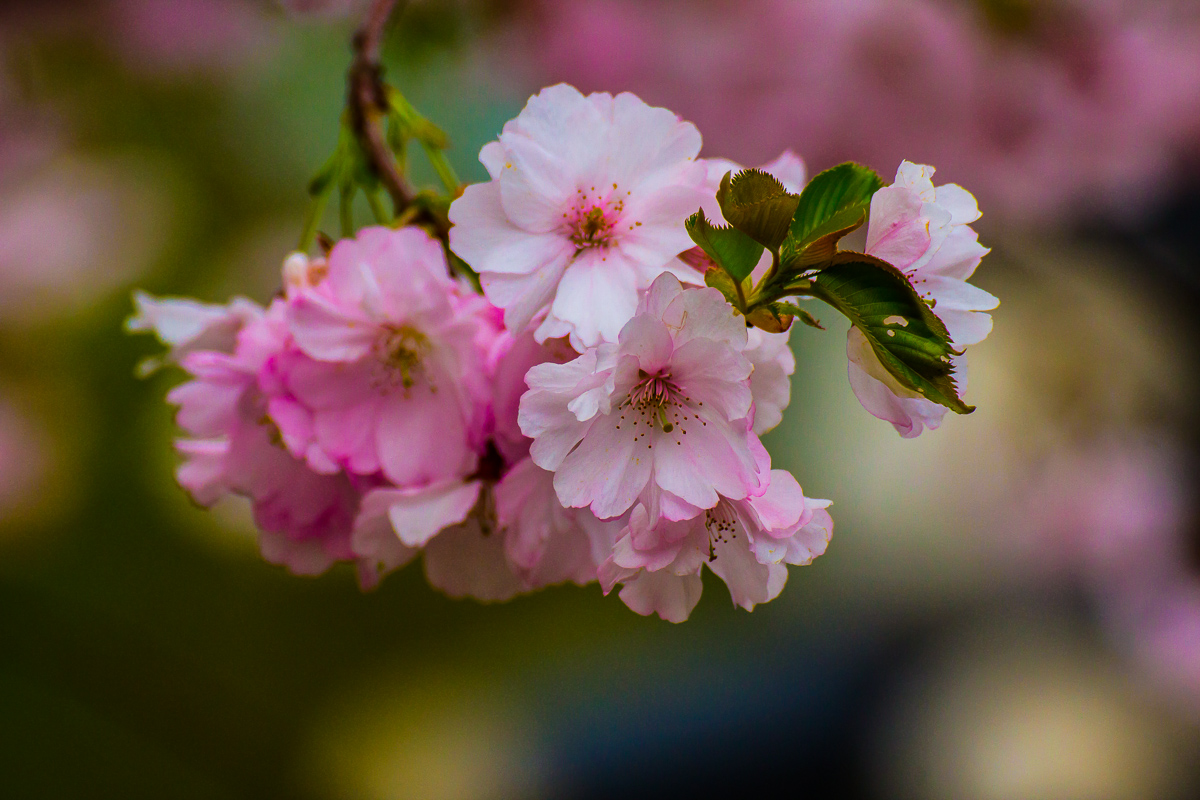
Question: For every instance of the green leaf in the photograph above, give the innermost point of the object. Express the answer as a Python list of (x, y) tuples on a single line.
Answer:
[(910, 341), (798, 312), (757, 205), (821, 245), (719, 279), (831, 193), (733, 250)]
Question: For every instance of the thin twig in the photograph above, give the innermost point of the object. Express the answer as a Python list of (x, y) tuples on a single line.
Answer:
[(368, 105)]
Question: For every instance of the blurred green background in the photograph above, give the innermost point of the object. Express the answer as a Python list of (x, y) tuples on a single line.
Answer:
[(957, 640)]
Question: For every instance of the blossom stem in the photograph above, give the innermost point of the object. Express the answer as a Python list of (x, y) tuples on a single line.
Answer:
[(368, 106)]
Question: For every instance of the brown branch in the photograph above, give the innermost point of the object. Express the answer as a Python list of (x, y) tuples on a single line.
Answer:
[(368, 106)]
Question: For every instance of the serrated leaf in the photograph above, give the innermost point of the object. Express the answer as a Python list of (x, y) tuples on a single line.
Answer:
[(798, 312), (830, 193), (720, 280), (910, 341), (733, 250), (756, 204), (822, 244)]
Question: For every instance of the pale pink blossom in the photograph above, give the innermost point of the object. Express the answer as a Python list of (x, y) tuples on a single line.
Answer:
[(926, 233), (585, 208), (746, 543), (511, 358), (771, 382), (544, 542), (305, 518), (185, 325), (661, 417), (394, 525), (394, 367)]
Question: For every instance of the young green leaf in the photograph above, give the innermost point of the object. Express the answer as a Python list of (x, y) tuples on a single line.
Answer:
[(798, 312), (910, 341), (819, 249), (733, 250), (757, 205), (831, 194), (719, 279)]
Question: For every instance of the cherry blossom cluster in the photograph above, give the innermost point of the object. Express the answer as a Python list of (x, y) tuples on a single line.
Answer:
[(594, 412)]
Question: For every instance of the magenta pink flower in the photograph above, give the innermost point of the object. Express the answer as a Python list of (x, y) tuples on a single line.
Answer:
[(585, 208), (661, 417), (744, 542), (482, 538), (394, 374), (305, 518), (926, 233)]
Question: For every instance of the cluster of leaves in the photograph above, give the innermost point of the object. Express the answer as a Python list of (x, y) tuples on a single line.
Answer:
[(802, 233), (349, 171)]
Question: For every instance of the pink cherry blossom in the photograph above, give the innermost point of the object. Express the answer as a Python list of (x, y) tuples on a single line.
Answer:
[(510, 360), (544, 542), (926, 233), (485, 538), (770, 383), (305, 518), (661, 417), (394, 367), (185, 325), (744, 542), (584, 210)]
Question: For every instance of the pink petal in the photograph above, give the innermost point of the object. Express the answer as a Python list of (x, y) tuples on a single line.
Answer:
[(672, 597), (489, 242), (607, 471)]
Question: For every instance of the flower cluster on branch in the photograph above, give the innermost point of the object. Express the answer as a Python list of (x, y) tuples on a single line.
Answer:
[(570, 384)]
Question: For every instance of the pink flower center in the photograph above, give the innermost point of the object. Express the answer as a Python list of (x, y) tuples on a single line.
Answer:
[(722, 524), (398, 351), (593, 219), (657, 402)]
